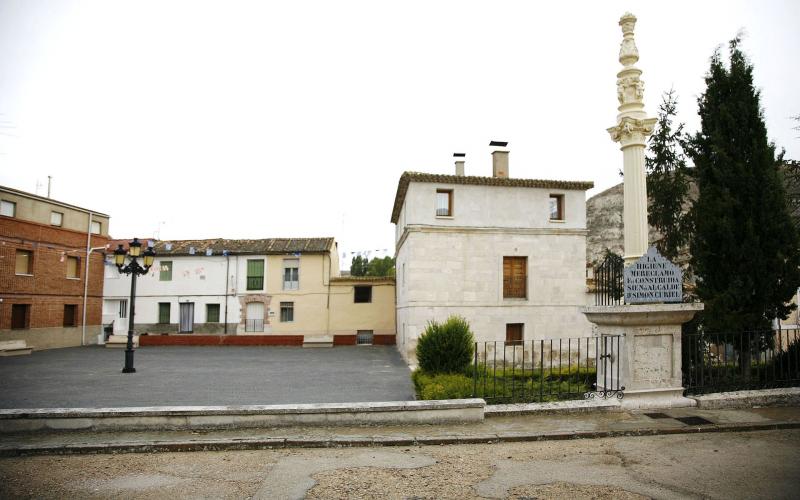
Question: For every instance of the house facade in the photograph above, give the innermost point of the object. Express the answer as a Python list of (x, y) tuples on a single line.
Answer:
[(266, 287), (45, 248), (507, 254)]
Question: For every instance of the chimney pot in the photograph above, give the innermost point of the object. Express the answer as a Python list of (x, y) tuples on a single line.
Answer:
[(459, 163), (499, 159)]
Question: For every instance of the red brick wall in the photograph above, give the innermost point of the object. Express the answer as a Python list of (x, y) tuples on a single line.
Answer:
[(48, 289), (194, 339)]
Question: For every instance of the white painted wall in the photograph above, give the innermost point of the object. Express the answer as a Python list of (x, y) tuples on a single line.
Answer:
[(490, 206), (454, 265), (199, 279)]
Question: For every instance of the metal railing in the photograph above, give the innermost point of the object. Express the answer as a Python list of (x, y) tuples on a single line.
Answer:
[(547, 370), (254, 325), (718, 362), (255, 282), (608, 281)]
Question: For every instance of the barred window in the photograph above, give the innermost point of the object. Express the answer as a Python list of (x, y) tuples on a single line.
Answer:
[(287, 311)]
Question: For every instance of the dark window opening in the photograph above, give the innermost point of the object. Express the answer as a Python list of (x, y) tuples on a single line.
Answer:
[(20, 316), (70, 315), (362, 294)]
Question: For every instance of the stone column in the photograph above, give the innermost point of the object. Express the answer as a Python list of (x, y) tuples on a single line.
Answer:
[(631, 131)]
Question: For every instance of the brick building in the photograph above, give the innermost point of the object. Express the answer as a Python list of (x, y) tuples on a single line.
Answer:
[(43, 254)]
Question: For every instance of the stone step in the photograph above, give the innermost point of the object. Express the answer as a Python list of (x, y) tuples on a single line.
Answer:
[(121, 341), (318, 341), (14, 348)]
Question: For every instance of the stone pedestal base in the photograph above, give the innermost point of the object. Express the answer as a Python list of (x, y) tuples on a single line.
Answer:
[(649, 354), (670, 397)]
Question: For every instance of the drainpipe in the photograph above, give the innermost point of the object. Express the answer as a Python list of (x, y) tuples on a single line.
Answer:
[(328, 305), (86, 279), (227, 275)]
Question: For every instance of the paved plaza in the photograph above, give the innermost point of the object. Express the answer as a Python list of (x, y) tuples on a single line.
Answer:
[(89, 377)]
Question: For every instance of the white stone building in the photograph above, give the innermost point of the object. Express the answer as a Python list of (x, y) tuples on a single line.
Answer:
[(507, 254)]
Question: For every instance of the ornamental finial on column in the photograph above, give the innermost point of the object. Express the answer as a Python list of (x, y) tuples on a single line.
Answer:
[(628, 53), (633, 126)]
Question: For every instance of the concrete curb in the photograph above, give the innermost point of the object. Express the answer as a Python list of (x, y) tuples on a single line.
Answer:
[(577, 406), (222, 417), (240, 444), (789, 396)]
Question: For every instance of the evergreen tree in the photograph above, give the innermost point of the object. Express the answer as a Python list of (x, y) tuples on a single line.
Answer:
[(744, 247), (668, 180), (358, 266)]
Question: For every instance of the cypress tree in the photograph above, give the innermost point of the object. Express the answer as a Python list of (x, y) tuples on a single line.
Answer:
[(668, 180), (744, 247)]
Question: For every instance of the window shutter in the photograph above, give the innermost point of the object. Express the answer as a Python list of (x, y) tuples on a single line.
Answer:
[(515, 277), (72, 267), (255, 268)]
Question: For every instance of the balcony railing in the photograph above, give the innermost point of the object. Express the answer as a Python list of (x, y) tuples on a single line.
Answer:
[(255, 282), (254, 325)]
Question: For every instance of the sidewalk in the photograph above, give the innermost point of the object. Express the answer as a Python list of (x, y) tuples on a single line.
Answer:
[(493, 429)]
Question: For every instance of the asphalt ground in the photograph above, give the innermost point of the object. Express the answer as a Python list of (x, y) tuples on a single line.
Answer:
[(91, 377)]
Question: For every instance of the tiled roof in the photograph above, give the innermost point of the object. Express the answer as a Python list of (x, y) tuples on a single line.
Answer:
[(409, 177), (245, 247)]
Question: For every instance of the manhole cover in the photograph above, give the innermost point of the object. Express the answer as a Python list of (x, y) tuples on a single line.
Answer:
[(694, 421), (657, 415)]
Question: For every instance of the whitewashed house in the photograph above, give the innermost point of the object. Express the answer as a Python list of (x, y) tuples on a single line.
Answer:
[(507, 254), (223, 286)]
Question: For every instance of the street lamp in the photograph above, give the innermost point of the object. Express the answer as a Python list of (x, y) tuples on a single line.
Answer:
[(134, 269)]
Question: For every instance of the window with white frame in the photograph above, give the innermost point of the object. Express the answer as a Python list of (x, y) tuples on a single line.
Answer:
[(287, 312), (8, 208), (96, 227), (56, 218), (291, 274)]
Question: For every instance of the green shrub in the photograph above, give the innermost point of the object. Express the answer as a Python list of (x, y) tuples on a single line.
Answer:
[(447, 347), (442, 386)]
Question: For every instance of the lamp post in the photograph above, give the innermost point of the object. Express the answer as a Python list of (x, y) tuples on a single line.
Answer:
[(134, 269)]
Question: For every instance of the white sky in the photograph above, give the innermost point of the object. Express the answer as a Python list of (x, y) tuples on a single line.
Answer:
[(256, 119)]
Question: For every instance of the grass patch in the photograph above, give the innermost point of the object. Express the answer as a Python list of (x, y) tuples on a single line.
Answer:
[(506, 384)]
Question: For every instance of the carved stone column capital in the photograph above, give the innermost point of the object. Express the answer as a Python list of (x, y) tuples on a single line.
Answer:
[(632, 131)]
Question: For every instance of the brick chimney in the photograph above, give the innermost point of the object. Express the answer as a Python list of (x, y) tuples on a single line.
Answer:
[(499, 159), (459, 163)]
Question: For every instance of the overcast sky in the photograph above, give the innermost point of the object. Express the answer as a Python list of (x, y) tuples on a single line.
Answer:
[(272, 119)]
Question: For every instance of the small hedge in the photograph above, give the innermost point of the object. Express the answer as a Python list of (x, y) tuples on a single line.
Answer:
[(442, 386), (505, 385), (447, 347)]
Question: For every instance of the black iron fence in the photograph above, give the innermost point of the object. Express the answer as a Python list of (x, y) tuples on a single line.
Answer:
[(608, 281), (718, 362), (547, 370)]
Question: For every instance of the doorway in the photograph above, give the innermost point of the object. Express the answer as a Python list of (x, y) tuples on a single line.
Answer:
[(255, 317), (187, 317)]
